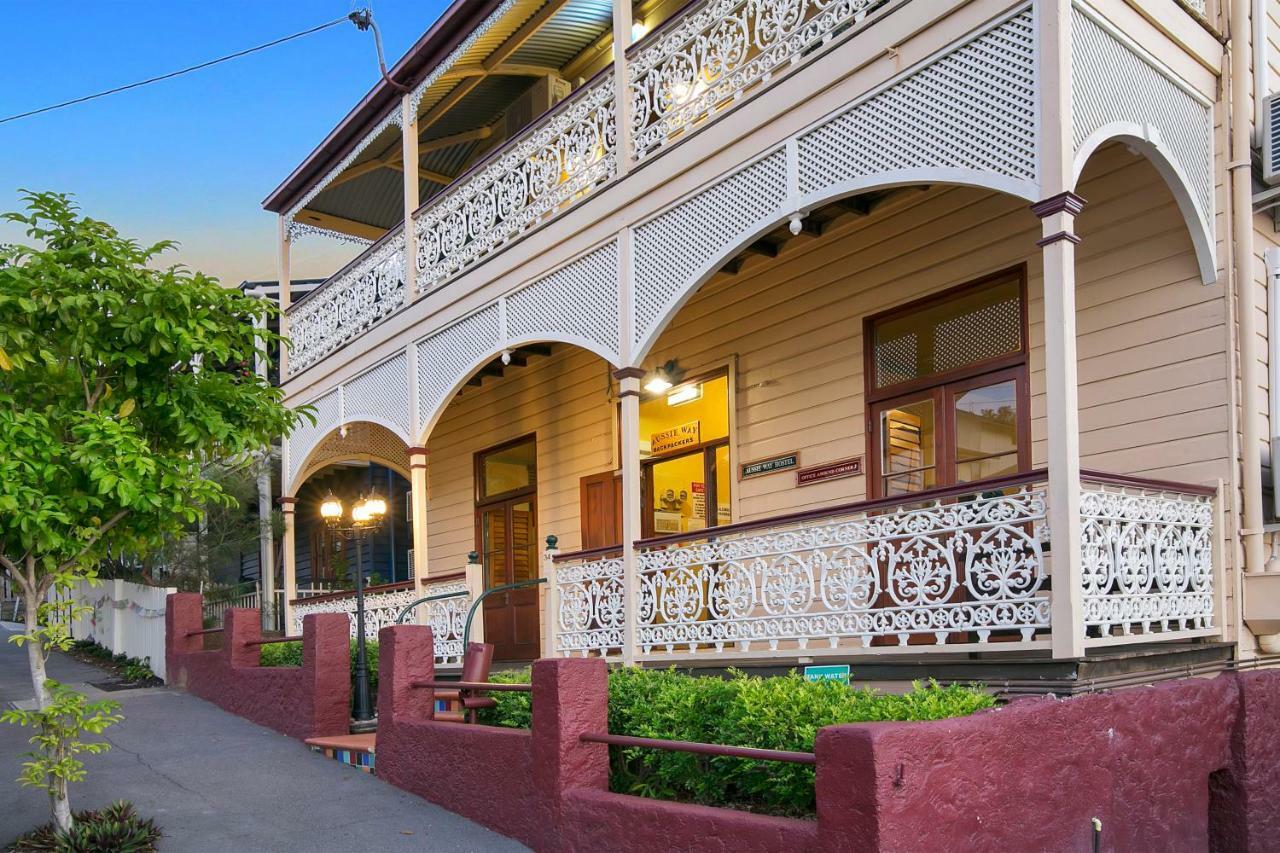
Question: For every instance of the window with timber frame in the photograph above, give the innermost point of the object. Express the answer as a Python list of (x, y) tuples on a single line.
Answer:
[(947, 388)]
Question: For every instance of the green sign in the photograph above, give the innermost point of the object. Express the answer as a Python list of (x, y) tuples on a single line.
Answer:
[(828, 672), (772, 465)]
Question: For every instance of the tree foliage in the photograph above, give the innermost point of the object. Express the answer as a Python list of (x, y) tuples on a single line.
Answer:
[(107, 418), (121, 381)]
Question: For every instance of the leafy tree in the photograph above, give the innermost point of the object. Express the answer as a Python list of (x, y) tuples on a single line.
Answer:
[(120, 381)]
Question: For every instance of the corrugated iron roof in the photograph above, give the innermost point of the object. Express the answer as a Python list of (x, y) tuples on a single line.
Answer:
[(573, 28)]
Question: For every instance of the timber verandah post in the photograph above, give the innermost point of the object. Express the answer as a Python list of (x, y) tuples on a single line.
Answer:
[(1057, 214), (289, 558), (418, 497)]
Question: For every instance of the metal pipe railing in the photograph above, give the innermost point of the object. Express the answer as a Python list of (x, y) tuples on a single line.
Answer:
[(506, 587), (438, 597), (703, 748)]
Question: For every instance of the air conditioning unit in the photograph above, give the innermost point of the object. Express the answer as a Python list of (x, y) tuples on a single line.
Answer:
[(542, 96), (1271, 139)]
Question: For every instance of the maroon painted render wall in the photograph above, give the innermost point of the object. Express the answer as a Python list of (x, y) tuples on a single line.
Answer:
[(308, 701), (1148, 762)]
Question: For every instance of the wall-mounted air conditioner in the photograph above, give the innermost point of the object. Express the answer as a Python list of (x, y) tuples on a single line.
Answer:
[(1271, 139)]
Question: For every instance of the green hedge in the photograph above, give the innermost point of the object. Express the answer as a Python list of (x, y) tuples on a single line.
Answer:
[(290, 654), (782, 712)]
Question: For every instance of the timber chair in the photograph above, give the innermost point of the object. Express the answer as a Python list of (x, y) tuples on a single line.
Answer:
[(464, 704)]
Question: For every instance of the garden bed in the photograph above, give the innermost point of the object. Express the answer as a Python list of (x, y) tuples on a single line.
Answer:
[(781, 713), (128, 673)]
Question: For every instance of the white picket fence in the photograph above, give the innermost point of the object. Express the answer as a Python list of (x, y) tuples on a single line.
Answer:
[(127, 618)]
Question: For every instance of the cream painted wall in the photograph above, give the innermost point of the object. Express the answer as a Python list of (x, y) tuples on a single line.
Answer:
[(1151, 338)]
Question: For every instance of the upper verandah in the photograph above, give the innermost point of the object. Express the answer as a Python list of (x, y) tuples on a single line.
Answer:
[(483, 72)]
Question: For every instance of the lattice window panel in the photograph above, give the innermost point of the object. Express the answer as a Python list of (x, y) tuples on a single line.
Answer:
[(897, 360), (974, 108), (1111, 83), (305, 436), (672, 247), (450, 355), (381, 393), (363, 439), (990, 331), (579, 299)]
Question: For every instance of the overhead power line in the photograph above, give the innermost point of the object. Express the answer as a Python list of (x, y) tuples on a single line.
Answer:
[(344, 19)]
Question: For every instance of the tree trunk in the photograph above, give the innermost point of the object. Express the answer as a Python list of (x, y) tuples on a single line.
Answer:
[(35, 650), (59, 802)]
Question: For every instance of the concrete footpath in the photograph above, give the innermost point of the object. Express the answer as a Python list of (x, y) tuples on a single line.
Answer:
[(216, 782)]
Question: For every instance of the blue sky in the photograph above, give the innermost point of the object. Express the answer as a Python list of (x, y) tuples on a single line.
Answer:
[(188, 159)]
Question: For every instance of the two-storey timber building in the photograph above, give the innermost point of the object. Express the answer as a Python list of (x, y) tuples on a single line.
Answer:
[(766, 332)]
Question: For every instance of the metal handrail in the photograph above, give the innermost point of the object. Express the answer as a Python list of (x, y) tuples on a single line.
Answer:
[(466, 631), (702, 748), (495, 686), (437, 597)]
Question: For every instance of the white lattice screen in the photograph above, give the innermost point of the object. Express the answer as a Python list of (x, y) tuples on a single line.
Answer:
[(1111, 83), (673, 247), (382, 394), (974, 108), (448, 356), (306, 436), (363, 440), (578, 300)]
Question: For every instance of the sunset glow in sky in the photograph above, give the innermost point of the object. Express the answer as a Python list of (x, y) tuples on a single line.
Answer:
[(188, 159)]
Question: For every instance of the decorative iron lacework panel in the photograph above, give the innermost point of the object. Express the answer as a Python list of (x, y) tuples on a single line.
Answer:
[(974, 108), (347, 305), (382, 393), (580, 299), (363, 439), (1111, 83), (531, 179), (1147, 560), (305, 435), (449, 355), (592, 607), (940, 570), (672, 247), (446, 617), (720, 50)]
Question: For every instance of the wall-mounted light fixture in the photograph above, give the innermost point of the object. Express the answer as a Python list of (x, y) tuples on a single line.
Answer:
[(664, 377)]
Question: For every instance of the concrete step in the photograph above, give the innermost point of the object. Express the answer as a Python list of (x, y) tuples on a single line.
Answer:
[(356, 750)]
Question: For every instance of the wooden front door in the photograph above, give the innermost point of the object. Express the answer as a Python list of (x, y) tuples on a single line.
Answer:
[(507, 539)]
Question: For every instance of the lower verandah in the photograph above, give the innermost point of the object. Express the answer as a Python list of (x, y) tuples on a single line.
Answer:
[(788, 332)]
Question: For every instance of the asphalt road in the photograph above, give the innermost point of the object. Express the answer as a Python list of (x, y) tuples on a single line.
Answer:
[(216, 782)]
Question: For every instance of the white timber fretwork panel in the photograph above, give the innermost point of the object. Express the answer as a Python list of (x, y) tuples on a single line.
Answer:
[(1120, 91), (307, 435), (447, 357), (972, 110), (675, 249), (380, 395), (576, 303)]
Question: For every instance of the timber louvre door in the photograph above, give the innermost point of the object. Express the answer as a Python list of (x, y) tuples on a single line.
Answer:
[(506, 538)]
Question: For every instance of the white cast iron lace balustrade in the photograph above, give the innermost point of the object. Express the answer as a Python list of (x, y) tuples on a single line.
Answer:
[(382, 606), (719, 51), (347, 305), (1147, 560), (940, 571), (546, 169)]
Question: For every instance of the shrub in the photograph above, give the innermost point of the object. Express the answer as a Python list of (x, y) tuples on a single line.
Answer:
[(782, 712), (290, 654), (117, 828)]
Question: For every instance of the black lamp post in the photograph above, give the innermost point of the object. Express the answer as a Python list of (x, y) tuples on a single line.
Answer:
[(366, 517)]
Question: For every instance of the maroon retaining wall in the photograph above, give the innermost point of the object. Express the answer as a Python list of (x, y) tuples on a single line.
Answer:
[(1189, 765), (308, 701)]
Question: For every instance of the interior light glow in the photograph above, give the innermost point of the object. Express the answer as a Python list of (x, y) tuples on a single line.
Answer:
[(685, 394)]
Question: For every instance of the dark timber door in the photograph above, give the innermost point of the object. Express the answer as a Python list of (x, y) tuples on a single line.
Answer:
[(506, 528)]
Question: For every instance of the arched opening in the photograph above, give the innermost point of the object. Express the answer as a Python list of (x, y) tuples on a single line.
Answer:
[(1194, 206), (352, 460), (517, 450)]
